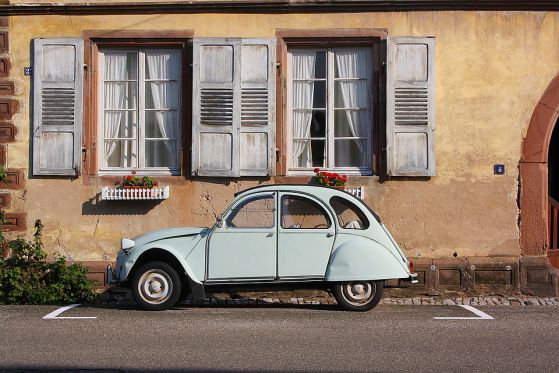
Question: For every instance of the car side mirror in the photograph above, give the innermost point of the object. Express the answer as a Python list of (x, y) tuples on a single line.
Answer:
[(219, 221)]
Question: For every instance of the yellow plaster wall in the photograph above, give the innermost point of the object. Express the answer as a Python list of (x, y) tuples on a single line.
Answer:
[(491, 69)]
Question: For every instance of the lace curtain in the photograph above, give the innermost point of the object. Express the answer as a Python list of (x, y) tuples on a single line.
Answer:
[(353, 63), (115, 92), (303, 68), (162, 67)]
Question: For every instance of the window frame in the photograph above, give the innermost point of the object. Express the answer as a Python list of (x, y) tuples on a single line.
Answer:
[(227, 219), (311, 202), (332, 38), (141, 111), (330, 110), (96, 40)]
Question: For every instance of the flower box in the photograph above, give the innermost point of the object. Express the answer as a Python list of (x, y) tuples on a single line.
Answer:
[(135, 193), (358, 192)]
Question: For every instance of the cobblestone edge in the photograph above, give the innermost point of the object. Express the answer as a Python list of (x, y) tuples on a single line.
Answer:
[(521, 300)]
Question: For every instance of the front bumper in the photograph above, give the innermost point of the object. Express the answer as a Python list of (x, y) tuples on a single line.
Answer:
[(114, 275), (112, 279)]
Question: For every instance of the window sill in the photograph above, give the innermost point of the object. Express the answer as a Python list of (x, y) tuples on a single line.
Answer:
[(121, 194)]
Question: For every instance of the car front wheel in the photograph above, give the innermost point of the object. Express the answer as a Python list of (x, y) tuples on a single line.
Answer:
[(358, 295), (156, 286)]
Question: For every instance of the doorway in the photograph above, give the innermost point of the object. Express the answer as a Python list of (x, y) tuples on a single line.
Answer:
[(553, 197)]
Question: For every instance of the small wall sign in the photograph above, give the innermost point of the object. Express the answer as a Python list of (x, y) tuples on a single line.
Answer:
[(28, 71), (499, 169)]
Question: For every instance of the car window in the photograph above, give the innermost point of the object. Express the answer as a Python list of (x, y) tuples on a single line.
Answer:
[(302, 213), (349, 215), (253, 212)]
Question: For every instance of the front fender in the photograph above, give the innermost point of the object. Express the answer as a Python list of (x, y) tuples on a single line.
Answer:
[(364, 259), (137, 253)]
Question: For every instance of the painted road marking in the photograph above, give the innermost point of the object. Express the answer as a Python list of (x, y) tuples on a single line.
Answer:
[(54, 314), (481, 315)]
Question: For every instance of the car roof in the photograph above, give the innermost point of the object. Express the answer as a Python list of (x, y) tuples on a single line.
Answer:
[(319, 191)]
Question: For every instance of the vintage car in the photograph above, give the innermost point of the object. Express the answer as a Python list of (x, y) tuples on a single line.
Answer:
[(271, 237)]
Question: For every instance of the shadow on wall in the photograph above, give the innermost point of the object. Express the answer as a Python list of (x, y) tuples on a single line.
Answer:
[(97, 206)]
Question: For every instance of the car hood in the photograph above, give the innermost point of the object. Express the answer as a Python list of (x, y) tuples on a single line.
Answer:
[(168, 233)]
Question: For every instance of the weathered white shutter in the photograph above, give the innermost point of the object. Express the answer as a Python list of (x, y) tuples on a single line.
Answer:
[(411, 106), (233, 107), (57, 106)]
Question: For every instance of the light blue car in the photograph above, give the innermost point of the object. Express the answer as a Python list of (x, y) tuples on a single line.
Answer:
[(274, 237)]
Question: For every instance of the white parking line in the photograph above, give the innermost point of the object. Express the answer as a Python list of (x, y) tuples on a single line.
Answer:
[(54, 314), (481, 315)]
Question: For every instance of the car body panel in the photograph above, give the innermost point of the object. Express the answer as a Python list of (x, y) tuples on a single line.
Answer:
[(231, 255), (241, 254), (177, 245), (360, 258), (303, 253)]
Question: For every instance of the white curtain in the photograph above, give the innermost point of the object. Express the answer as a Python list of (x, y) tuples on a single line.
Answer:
[(303, 68), (352, 63), (162, 65), (115, 98)]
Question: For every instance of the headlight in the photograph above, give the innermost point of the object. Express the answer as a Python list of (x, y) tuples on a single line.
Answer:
[(127, 244)]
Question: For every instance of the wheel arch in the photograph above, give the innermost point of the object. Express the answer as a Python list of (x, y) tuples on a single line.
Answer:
[(167, 256)]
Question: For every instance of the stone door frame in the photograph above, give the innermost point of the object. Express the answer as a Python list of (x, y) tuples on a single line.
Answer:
[(533, 173)]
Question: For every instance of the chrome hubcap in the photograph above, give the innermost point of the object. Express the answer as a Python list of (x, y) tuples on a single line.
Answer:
[(155, 286), (358, 293)]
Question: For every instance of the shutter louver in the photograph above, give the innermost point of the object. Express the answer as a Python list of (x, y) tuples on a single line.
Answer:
[(254, 106), (57, 102), (216, 107), (410, 106), (233, 116)]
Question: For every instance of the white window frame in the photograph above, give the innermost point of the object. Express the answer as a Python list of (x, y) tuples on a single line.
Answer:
[(330, 82), (141, 110)]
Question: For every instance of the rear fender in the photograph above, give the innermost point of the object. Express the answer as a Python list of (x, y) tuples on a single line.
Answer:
[(362, 259)]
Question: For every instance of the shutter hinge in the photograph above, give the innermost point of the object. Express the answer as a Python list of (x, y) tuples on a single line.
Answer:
[(85, 68), (277, 154)]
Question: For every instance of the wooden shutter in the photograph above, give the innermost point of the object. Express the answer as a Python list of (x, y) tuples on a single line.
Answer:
[(233, 107), (410, 106), (57, 106)]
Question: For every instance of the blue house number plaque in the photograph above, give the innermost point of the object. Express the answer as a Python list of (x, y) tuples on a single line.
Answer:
[(499, 169)]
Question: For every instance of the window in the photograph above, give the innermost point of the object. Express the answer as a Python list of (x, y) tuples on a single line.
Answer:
[(349, 215), (302, 213), (330, 109), (139, 110), (255, 212)]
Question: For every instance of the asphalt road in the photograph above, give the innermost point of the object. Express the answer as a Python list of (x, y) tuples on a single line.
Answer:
[(280, 338)]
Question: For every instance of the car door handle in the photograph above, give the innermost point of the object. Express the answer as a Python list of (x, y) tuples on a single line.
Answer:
[(329, 234), (270, 234)]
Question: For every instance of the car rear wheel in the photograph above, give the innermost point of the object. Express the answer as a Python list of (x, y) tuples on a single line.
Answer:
[(358, 295), (156, 286)]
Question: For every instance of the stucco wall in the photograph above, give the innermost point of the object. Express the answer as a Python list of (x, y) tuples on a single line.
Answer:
[(491, 69)]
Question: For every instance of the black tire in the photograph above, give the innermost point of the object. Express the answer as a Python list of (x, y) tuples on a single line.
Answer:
[(156, 286), (358, 296)]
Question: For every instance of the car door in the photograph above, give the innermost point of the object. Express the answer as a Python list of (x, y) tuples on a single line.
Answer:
[(306, 233), (244, 247)]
